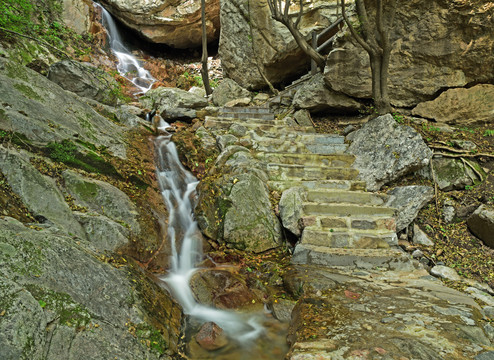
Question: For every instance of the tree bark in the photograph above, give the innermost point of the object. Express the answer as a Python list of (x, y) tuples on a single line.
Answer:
[(204, 59)]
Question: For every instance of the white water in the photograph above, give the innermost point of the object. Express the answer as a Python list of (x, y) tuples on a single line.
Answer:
[(128, 66), (178, 189)]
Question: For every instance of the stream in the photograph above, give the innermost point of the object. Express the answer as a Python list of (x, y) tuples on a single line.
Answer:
[(251, 336)]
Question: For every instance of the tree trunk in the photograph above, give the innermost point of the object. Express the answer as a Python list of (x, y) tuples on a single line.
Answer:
[(204, 59), (306, 48)]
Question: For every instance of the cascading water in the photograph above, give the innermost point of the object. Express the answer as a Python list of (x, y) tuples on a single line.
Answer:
[(178, 190), (128, 66)]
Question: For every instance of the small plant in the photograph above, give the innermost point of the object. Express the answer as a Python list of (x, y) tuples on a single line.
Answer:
[(489, 132), (468, 187), (399, 118)]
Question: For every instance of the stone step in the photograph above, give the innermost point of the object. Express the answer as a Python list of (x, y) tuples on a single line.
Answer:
[(344, 223), (261, 125), (245, 110), (344, 209), (277, 172), (351, 197), (299, 147), (307, 138), (321, 184), (338, 160), (247, 116), (350, 238), (390, 259)]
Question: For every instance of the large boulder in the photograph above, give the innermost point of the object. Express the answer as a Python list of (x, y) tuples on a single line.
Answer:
[(59, 301), (171, 22), (315, 96), (269, 46), (386, 151), (43, 112), (460, 106), (481, 224), (85, 81), (453, 174), (408, 200), (435, 45), (226, 91)]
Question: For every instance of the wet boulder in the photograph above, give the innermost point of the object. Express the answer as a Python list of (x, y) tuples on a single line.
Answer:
[(386, 151), (211, 337)]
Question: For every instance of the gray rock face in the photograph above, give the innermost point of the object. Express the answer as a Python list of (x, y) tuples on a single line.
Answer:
[(76, 15), (386, 150), (177, 24), (315, 96), (102, 198), (103, 233), (249, 222), (452, 174), (36, 107), (226, 91), (445, 273), (408, 200), (460, 106), (70, 306), (173, 103), (434, 46), (481, 224), (420, 237), (39, 192), (270, 42), (85, 81), (290, 207)]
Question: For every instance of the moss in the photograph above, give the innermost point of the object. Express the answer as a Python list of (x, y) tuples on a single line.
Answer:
[(69, 312), (86, 190), (28, 91), (151, 337)]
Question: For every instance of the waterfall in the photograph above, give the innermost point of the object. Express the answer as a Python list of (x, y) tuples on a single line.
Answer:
[(128, 66), (178, 186)]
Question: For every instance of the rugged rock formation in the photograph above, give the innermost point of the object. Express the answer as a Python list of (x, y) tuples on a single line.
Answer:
[(173, 22), (436, 45), (460, 106), (269, 45), (386, 150)]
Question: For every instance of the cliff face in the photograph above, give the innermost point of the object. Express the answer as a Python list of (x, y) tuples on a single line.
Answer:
[(436, 45)]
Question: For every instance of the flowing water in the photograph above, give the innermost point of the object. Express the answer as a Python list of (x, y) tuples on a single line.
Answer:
[(128, 66)]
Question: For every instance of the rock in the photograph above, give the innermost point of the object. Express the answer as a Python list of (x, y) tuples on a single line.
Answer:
[(316, 97), (408, 200), (470, 106), (198, 91), (72, 306), (269, 44), (417, 254), (168, 22), (260, 98), (77, 15), (223, 290), (242, 102), (85, 80), (250, 223), (38, 192), (452, 174), (480, 295), (489, 311), (420, 237), (302, 118), (433, 48), (481, 224), (207, 140), (348, 129), (488, 355), (290, 207), (42, 111), (226, 91), (282, 309), (102, 198), (386, 151), (449, 211), (211, 337), (173, 103), (464, 144), (103, 233), (445, 272), (222, 141)]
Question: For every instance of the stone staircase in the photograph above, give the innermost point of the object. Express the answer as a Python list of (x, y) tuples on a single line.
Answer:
[(343, 225)]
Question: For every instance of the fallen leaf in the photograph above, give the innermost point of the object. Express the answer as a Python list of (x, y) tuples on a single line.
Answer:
[(351, 295)]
